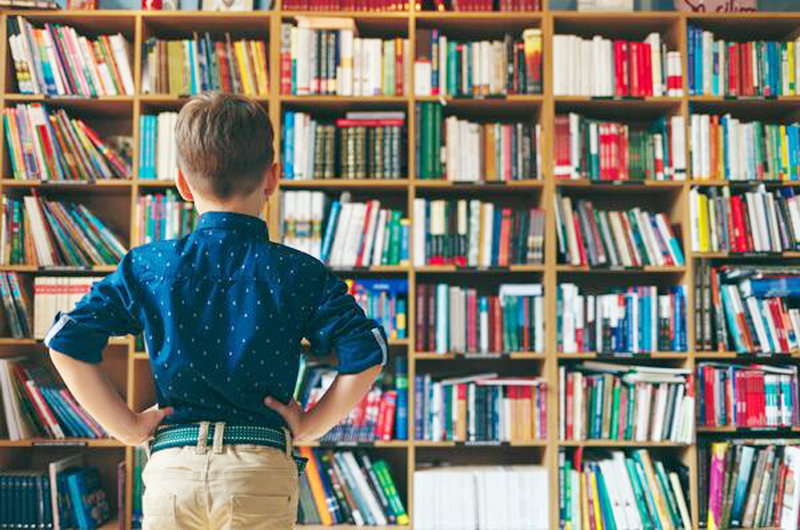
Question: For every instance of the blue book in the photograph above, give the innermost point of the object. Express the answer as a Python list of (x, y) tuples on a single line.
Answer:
[(88, 500), (498, 220), (419, 396), (330, 229), (401, 386), (66, 417), (605, 502), (404, 236), (740, 491), (192, 69), (288, 143), (787, 286)]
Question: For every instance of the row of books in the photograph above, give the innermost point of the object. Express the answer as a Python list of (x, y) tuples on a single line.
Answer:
[(325, 56), (726, 148), (447, 67), (16, 306), (601, 67), (474, 233), (480, 408), (346, 234), (47, 144), (52, 294), (603, 150), (749, 484), (748, 396), (744, 221), (161, 216), (614, 238), (345, 5), (60, 494), (37, 231), (36, 405), (457, 319), (718, 67), (643, 319), (192, 66), (360, 145), (426, 5), (481, 5), (347, 487), (56, 61), (158, 154), (622, 489), (604, 401), (385, 300), (481, 497)]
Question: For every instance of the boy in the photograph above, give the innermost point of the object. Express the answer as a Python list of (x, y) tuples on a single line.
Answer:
[(223, 311)]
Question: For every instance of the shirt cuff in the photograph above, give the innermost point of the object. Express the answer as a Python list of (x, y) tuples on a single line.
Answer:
[(365, 351), (67, 336)]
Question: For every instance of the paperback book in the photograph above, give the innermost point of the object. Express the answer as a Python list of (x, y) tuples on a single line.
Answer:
[(54, 294), (161, 216), (385, 300), (158, 154)]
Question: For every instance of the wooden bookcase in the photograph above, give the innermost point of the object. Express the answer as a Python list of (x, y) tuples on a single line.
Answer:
[(115, 202)]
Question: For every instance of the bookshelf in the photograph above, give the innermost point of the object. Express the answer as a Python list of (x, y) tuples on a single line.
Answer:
[(115, 202)]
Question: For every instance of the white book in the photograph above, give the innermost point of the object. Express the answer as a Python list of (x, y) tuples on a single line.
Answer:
[(772, 218), (657, 428), (569, 227), (346, 76), (442, 65), (538, 307), (486, 234), (654, 39), (617, 510), (380, 237), (354, 235), (678, 134), (422, 78), (364, 489), (119, 47), (625, 489), (372, 223), (342, 230), (419, 232), (790, 506), (474, 232), (41, 241), (16, 426)]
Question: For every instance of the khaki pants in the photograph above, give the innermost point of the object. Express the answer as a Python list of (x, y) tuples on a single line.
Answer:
[(221, 487)]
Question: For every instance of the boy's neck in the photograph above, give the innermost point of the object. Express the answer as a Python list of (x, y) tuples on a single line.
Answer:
[(247, 207)]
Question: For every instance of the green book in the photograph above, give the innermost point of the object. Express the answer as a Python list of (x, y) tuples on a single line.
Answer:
[(638, 494), (437, 141), (394, 246), (615, 412), (667, 493), (387, 483)]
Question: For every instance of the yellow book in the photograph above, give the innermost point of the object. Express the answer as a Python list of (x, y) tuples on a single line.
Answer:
[(175, 60), (241, 63), (584, 501), (598, 518), (490, 171), (702, 221), (658, 498), (259, 61), (715, 476)]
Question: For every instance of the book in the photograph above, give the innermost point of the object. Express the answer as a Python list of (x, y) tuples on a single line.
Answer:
[(475, 233), (501, 494), (480, 322), (633, 238), (158, 154), (480, 5), (89, 501), (326, 56), (622, 489), (47, 144), (48, 233), (749, 396), (185, 67), (161, 216), (604, 150), (54, 294), (385, 300), (480, 408), (509, 64), (732, 68), (16, 305), (345, 5), (598, 401), (139, 461), (746, 221), (616, 68), (343, 233), (459, 150), (361, 145), (636, 320), (55, 60)]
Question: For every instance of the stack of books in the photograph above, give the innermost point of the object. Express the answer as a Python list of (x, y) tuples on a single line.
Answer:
[(601, 67), (37, 231), (622, 490), (603, 150), (477, 497), (742, 222), (325, 56), (604, 401), (749, 484), (480, 408), (464, 151), (360, 145), (347, 487), (757, 68), (54, 294), (48, 144), (158, 154), (457, 319), (481, 5), (56, 61), (726, 148), (37, 405), (17, 306), (473, 233), (346, 234), (190, 66), (446, 67), (747, 309), (385, 300), (643, 319), (610, 238), (749, 396), (162, 216)]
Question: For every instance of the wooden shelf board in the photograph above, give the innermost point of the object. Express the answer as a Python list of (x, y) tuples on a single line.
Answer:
[(10, 341), (154, 183), (376, 444), (341, 100), (399, 342), (478, 186), (141, 356), (467, 15), (745, 430), (374, 268), (171, 99), (620, 185), (479, 270), (734, 255), (67, 184), (431, 356), (492, 444), (46, 442), (346, 183), (402, 14), (618, 443), (621, 270), (723, 183), (99, 269), (623, 356), (26, 98)]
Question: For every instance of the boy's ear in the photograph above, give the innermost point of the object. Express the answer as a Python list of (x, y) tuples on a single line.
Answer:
[(272, 180), (183, 187)]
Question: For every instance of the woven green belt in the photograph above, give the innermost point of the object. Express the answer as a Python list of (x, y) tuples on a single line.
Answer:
[(183, 435)]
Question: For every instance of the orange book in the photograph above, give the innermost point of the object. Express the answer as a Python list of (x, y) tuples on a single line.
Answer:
[(461, 422), (490, 168), (505, 237), (315, 483), (527, 431)]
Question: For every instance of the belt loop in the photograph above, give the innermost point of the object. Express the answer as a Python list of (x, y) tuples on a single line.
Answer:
[(219, 432), (202, 438), (288, 434)]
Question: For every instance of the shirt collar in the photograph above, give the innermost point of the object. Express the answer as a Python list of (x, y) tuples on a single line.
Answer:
[(236, 222)]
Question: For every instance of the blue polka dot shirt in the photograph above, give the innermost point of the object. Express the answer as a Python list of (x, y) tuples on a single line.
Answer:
[(222, 311)]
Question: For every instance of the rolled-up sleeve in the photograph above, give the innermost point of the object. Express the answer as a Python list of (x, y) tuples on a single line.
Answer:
[(338, 323), (104, 312)]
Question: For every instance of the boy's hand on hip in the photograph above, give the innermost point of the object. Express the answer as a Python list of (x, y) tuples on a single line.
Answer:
[(144, 425), (292, 413)]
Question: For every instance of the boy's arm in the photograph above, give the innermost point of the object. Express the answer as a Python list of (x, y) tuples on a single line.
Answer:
[(92, 389)]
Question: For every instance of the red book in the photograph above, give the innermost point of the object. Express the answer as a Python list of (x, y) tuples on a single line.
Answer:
[(774, 307), (497, 344), (647, 69), (579, 237), (505, 237), (619, 68), (623, 411), (615, 150), (634, 58), (746, 87), (624, 150), (472, 320), (708, 389), (432, 318), (360, 257), (422, 312), (389, 405), (343, 122), (779, 494), (733, 69), (570, 399), (507, 153), (526, 317)]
